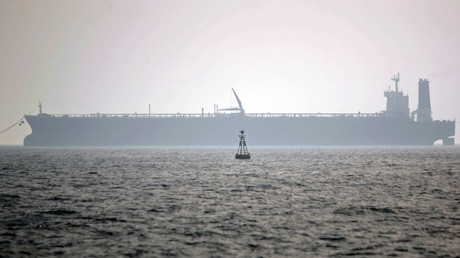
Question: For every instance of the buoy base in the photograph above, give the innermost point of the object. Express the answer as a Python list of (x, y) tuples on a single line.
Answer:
[(242, 156)]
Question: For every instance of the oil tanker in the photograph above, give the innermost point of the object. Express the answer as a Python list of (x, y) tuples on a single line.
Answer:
[(394, 126)]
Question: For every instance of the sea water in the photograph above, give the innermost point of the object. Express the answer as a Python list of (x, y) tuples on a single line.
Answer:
[(309, 202)]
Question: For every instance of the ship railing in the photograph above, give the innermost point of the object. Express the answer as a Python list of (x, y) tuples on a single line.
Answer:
[(207, 115), (131, 115), (293, 115)]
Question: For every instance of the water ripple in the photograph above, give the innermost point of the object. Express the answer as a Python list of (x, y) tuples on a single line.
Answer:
[(202, 202)]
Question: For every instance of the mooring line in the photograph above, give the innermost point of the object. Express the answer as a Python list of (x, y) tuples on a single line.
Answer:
[(20, 122)]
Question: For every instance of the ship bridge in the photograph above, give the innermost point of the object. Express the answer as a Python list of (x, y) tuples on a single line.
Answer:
[(397, 102)]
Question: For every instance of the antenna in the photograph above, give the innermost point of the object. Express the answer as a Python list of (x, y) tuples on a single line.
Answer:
[(40, 107), (396, 79)]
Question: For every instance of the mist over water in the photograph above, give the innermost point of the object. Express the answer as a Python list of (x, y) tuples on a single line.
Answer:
[(397, 201)]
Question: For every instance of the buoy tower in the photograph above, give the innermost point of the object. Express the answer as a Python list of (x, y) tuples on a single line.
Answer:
[(243, 152)]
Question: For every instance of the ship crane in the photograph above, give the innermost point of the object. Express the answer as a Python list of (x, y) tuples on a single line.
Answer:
[(240, 108)]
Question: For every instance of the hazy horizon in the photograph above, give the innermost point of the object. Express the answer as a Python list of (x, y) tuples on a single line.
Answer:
[(83, 57)]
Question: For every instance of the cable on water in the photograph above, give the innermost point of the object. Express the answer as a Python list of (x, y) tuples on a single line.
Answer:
[(20, 122)]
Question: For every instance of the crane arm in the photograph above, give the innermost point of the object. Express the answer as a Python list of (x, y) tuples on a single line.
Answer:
[(238, 100), (229, 109)]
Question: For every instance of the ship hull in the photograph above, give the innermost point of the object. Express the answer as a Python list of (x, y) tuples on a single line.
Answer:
[(49, 130)]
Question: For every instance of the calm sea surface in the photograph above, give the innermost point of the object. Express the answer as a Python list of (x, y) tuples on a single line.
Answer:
[(387, 201)]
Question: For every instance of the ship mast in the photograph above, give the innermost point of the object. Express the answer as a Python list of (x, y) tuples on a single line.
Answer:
[(396, 79)]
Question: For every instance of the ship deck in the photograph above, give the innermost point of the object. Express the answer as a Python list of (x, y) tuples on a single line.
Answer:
[(210, 115)]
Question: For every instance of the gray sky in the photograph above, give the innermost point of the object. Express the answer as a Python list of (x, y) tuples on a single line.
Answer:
[(88, 56)]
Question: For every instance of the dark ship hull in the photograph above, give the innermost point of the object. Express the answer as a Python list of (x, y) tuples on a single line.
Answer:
[(392, 127), (215, 130)]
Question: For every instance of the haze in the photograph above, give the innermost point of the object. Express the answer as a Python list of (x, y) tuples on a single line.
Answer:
[(180, 56)]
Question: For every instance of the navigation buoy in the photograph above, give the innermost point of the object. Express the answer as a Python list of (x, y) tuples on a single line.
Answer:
[(243, 152)]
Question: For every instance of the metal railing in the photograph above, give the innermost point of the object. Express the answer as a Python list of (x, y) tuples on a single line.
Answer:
[(292, 115), (215, 115)]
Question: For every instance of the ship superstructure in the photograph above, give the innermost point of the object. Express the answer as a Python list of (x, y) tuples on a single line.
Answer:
[(423, 111), (394, 126), (397, 102)]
